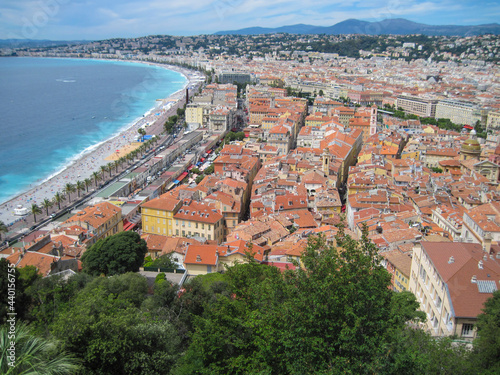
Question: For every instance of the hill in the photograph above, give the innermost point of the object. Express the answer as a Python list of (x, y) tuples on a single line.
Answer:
[(396, 26)]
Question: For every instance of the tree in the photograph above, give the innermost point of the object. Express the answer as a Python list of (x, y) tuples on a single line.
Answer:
[(105, 326), (334, 312), (97, 176), (35, 210), (487, 345), (164, 261), (47, 204), (58, 198), (68, 189), (120, 253), (3, 229), (24, 278), (80, 186), (199, 179), (33, 355), (87, 183), (209, 170)]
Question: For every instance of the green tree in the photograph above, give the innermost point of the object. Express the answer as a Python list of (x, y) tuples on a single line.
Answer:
[(209, 170), (3, 229), (68, 189), (487, 344), (47, 204), (87, 183), (35, 210), (58, 199), (22, 279), (199, 179), (96, 176), (120, 253), (33, 355), (332, 313), (79, 186), (106, 327)]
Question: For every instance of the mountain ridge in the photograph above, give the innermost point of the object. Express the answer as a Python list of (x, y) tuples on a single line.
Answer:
[(395, 26)]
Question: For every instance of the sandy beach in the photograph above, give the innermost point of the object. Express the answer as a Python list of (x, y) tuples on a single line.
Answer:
[(91, 162)]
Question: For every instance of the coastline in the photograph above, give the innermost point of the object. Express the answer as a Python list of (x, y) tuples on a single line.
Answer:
[(90, 160)]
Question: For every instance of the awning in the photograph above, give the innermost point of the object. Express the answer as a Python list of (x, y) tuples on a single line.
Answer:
[(129, 226)]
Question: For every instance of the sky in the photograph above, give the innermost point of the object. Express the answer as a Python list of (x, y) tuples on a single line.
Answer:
[(104, 19)]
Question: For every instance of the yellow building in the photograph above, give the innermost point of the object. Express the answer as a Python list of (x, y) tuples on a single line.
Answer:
[(199, 220), (194, 114), (157, 215), (399, 266)]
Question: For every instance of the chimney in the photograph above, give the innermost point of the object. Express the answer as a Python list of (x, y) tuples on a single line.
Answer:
[(480, 264), (473, 279), (451, 260), (487, 242)]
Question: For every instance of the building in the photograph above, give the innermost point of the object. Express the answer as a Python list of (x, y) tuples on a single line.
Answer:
[(198, 219), (458, 112), (101, 220), (157, 215), (452, 281), (417, 106)]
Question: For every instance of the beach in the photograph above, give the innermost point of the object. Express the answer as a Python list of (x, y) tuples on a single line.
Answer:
[(102, 154)]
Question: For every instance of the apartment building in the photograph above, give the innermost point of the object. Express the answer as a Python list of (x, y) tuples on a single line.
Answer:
[(198, 219), (452, 281), (458, 112), (417, 106), (157, 215), (101, 220)]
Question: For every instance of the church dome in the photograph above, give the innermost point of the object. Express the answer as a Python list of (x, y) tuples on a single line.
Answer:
[(471, 145)]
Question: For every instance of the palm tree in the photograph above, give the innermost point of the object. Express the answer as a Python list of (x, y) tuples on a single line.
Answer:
[(109, 167), (34, 355), (58, 198), (80, 186), (3, 229), (104, 169), (87, 183), (68, 189), (97, 176), (116, 164), (35, 210), (47, 204)]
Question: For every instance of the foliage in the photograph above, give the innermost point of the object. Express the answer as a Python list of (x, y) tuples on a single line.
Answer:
[(232, 136), (105, 327), (120, 253), (20, 279), (437, 170), (335, 313), (209, 170), (33, 355), (199, 179), (51, 295), (487, 344)]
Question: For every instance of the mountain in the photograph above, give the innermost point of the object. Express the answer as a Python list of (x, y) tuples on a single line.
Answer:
[(397, 26), (20, 43)]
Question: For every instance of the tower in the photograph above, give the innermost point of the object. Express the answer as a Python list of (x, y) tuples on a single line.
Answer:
[(326, 161), (373, 120)]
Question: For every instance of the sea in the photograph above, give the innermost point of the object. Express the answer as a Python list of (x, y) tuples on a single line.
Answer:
[(53, 110)]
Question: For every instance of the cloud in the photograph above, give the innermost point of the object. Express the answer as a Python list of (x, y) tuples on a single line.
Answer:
[(95, 19)]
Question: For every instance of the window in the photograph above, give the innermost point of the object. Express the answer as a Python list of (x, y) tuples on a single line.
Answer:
[(177, 232), (467, 329), (196, 226), (183, 233), (146, 218), (209, 237), (157, 221)]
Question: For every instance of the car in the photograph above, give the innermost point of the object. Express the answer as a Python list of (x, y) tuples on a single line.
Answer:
[(52, 216), (33, 227)]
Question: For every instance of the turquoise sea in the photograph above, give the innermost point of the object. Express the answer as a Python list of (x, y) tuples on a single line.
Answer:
[(53, 110)]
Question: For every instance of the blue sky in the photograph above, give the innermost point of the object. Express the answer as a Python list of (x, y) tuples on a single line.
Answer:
[(103, 19)]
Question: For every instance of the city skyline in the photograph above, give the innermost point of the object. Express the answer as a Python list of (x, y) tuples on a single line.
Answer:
[(91, 20)]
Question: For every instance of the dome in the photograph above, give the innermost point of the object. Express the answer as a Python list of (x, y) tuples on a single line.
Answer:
[(471, 145)]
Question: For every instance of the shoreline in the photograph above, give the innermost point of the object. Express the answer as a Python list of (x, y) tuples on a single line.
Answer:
[(90, 160)]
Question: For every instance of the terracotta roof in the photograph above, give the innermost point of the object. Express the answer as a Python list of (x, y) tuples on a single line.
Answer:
[(465, 295)]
